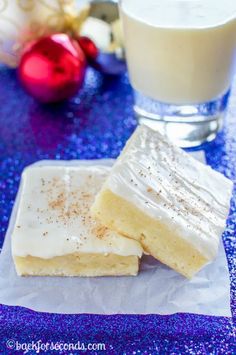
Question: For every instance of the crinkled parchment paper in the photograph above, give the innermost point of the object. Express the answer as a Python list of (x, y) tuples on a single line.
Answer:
[(157, 289)]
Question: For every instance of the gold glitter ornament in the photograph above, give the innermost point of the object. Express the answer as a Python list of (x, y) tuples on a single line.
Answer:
[(24, 20)]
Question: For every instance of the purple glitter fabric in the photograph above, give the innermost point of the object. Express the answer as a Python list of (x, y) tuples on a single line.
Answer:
[(96, 124)]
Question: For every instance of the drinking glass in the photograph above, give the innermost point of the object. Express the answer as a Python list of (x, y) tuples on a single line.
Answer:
[(180, 56)]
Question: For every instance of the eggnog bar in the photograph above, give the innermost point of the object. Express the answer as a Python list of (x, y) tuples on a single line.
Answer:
[(162, 197), (54, 233)]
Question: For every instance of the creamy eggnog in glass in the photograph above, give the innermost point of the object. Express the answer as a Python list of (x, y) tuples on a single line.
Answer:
[(180, 56)]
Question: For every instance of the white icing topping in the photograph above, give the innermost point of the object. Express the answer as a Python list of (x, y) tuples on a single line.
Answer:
[(169, 185), (53, 216)]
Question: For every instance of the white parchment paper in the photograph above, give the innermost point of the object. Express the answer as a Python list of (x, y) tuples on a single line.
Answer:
[(157, 289)]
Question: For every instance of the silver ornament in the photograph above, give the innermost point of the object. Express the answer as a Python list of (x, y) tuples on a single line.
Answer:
[(103, 27)]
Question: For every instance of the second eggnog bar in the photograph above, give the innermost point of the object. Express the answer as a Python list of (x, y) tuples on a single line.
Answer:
[(54, 233), (162, 197)]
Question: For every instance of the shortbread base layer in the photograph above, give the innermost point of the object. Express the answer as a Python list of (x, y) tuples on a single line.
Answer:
[(157, 239), (87, 265)]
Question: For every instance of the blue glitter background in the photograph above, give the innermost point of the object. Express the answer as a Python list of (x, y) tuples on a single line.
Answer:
[(96, 124)]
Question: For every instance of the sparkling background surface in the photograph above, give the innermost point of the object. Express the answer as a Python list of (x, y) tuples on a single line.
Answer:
[(96, 124)]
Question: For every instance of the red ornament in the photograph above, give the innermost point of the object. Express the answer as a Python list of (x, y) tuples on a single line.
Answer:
[(89, 47), (52, 68)]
